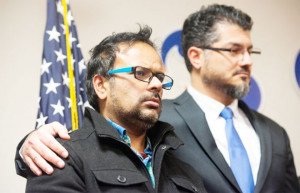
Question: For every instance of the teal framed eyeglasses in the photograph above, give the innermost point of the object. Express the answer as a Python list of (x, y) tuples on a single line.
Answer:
[(145, 75)]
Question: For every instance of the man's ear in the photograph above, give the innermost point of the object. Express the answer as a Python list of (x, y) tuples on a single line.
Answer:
[(195, 56), (100, 86)]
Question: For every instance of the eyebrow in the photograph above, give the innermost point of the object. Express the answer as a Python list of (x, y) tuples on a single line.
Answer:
[(239, 45)]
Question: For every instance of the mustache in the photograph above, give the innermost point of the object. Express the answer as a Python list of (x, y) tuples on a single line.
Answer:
[(153, 96), (242, 70)]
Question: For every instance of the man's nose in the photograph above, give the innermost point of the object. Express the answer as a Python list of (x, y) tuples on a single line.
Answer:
[(246, 58), (155, 83)]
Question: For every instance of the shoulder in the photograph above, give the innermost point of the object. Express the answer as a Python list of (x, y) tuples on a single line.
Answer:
[(259, 120), (81, 140), (85, 133), (275, 129)]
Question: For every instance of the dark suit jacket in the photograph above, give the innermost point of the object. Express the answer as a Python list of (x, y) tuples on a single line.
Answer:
[(277, 172)]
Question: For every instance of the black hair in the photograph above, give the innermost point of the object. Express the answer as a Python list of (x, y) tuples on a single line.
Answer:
[(103, 57), (199, 28)]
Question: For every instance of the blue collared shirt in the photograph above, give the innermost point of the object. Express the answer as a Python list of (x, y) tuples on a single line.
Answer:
[(146, 156)]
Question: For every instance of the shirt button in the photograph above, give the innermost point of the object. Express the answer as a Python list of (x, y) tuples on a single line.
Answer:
[(121, 179), (163, 147)]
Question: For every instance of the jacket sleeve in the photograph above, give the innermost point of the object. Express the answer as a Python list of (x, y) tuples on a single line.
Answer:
[(70, 179), (291, 183), (21, 167)]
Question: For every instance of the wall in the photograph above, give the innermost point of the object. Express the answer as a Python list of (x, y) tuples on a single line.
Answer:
[(276, 31)]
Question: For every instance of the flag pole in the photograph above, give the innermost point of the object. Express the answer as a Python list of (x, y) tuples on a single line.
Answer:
[(74, 110)]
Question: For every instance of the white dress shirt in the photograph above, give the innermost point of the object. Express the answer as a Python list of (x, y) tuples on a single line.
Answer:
[(250, 139)]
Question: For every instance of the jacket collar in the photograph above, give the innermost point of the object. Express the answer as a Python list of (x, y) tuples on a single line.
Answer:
[(161, 132)]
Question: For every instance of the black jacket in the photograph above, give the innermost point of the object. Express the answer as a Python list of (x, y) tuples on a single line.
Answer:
[(99, 161)]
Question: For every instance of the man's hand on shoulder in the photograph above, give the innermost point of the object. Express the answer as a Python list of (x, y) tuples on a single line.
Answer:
[(41, 149)]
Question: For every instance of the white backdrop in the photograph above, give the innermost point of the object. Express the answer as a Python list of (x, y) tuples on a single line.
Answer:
[(276, 31)]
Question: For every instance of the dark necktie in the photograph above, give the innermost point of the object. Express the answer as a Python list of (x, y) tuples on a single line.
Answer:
[(239, 162)]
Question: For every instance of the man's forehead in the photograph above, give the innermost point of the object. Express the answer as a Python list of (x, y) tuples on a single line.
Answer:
[(123, 47), (139, 54), (229, 33)]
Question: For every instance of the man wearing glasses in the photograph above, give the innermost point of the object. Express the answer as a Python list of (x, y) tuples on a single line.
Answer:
[(122, 147), (233, 148)]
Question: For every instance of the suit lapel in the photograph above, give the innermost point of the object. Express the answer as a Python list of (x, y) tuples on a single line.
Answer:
[(265, 145), (197, 123)]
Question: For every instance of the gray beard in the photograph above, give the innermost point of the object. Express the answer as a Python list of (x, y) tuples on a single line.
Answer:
[(235, 92)]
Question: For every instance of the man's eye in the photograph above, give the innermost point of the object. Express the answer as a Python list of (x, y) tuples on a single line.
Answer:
[(160, 76), (250, 51), (236, 50), (140, 73)]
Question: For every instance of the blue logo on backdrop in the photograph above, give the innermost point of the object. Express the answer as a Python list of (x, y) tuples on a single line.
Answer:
[(174, 39), (254, 96), (297, 69)]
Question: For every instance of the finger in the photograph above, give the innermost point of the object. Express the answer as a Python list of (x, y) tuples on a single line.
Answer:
[(34, 158), (50, 142), (37, 164), (32, 166), (60, 130), (44, 149), (46, 133)]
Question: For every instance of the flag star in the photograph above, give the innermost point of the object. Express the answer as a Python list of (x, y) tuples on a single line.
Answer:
[(71, 39), (69, 101), (53, 34), (45, 66), (60, 8), (81, 66), (41, 120), (69, 17), (78, 45), (51, 86), (58, 108), (60, 56), (66, 79)]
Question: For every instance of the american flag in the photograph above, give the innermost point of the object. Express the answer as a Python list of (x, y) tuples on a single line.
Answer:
[(55, 102)]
